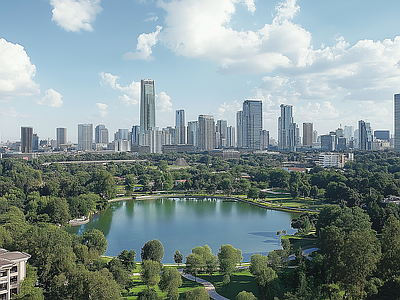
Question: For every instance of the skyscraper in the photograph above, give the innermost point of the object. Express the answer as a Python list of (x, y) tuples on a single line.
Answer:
[(397, 122), (365, 135), (206, 127), (192, 133), (61, 136), (180, 127), (230, 138), (239, 128), (252, 124), (147, 108), (222, 129), (286, 129), (264, 140), (26, 139), (85, 137), (135, 133), (308, 134)]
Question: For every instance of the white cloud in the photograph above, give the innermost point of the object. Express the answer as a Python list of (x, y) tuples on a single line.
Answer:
[(102, 110), (74, 15), (163, 102), (225, 111), (16, 72), (52, 99), (144, 44), (131, 92), (151, 17), (13, 113)]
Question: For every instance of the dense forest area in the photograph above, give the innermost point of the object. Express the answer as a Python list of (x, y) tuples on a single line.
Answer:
[(359, 236)]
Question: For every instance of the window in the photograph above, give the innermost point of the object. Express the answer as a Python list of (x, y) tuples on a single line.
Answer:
[(3, 286), (13, 280), (3, 273), (3, 296), (13, 291), (14, 269)]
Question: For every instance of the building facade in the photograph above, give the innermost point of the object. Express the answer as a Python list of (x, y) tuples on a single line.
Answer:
[(239, 128), (147, 108), (12, 272), (308, 134), (26, 139), (286, 129), (252, 124), (180, 127), (61, 133), (85, 137), (206, 132), (264, 140), (192, 133), (397, 122)]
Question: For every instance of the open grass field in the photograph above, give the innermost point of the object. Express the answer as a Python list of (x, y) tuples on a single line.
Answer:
[(138, 286), (240, 281), (303, 241)]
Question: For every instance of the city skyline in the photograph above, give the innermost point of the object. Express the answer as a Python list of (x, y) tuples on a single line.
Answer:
[(335, 62)]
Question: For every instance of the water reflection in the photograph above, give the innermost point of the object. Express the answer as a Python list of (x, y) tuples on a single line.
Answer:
[(183, 223)]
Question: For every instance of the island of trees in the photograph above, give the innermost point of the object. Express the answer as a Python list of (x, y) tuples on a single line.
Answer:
[(357, 234)]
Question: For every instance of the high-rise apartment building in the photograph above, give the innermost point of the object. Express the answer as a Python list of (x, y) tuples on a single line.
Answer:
[(180, 127), (264, 139), (192, 133), (397, 122), (286, 129), (26, 139), (308, 134), (348, 133), (135, 133), (101, 134), (35, 142), (61, 133), (239, 128), (147, 108), (222, 129), (230, 138), (206, 130), (365, 135), (252, 124), (85, 137)]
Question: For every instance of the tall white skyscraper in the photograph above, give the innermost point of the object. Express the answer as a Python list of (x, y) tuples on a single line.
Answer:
[(147, 108), (252, 124), (85, 137), (286, 129), (206, 130), (222, 129), (239, 128), (180, 127), (397, 122)]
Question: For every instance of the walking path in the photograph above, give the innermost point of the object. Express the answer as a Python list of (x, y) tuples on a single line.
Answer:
[(208, 285)]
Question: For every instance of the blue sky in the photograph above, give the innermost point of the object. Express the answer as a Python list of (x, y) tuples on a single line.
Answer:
[(64, 62)]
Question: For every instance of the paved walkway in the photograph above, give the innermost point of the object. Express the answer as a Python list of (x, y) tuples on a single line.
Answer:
[(208, 285)]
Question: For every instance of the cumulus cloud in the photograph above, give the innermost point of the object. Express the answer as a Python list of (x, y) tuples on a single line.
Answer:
[(224, 111), (131, 92), (74, 15), (163, 102), (151, 17), (102, 110), (52, 99), (16, 72), (144, 44)]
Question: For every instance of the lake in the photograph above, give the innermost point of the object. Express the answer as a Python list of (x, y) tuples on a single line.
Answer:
[(184, 223)]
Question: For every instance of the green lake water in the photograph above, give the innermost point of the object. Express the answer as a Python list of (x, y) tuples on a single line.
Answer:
[(184, 223)]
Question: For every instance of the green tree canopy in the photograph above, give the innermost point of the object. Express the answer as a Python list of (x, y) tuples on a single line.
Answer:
[(152, 250)]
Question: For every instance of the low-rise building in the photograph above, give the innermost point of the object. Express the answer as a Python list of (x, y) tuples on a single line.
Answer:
[(12, 272), (334, 160)]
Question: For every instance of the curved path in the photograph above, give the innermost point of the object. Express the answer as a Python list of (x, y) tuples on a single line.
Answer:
[(208, 285)]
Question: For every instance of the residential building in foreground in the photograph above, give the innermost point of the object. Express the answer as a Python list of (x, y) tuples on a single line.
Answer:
[(12, 272)]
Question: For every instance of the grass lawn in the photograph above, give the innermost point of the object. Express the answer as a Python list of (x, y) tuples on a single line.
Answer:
[(303, 241), (138, 286), (240, 281)]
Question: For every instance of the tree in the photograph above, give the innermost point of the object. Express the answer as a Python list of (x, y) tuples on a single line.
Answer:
[(170, 281), (120, 274), (152, 250), (266, 277), (228, 258), (130, 182), (150, 272), (253, 193), (103, 184), (95, 240), (209, 262), (178, 257), (149, 294), (243, 295), (127, 259), (29, 290), (199, 293), (314, 192), (194, 262), (390, 262)]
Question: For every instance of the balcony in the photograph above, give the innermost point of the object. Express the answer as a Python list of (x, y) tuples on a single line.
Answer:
[(13, 280)]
